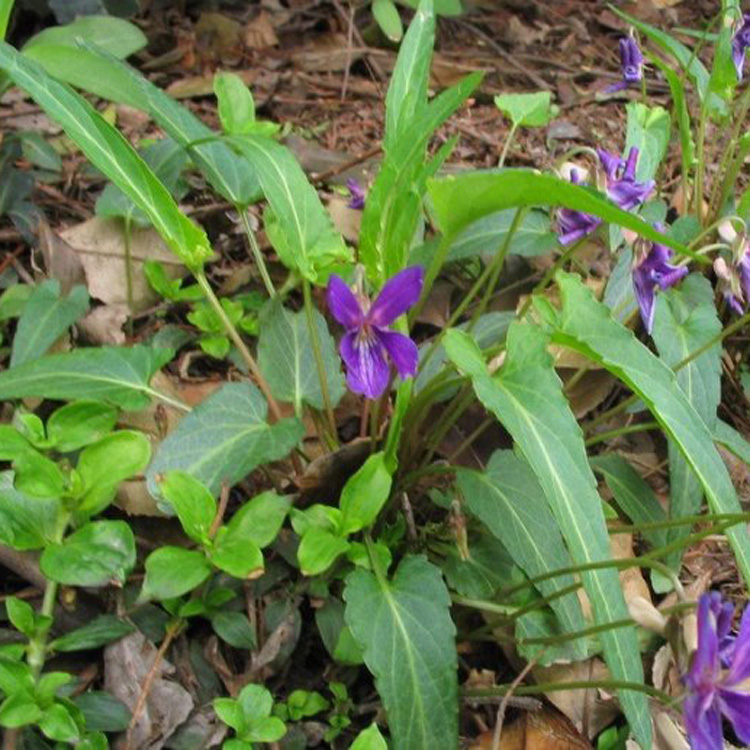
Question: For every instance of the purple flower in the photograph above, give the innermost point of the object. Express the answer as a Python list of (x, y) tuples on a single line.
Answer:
[(734, 278), (574, 225), (740, 42), (718, 667), (652, 270), (357, 195), (368, 340), (620, 183), (631, 65)]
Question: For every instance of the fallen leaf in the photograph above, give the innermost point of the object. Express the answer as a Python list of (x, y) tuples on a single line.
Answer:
[(126, 664), (588, 392), (103, 325), (188, 87), (345, 220), (61, 261), (328, 54), (260, 33), (99, 244), (218, 39)]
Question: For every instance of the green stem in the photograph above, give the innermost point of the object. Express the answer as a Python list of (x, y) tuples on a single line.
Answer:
[(700, 166), (257, 255), (506, 146), (438, 259), (318, 355), (233, 334), (127, 229), (602, 436), (551, 687)]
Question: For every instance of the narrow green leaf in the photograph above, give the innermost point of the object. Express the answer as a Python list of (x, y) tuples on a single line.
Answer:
[(727, 436), (508, 499), (224, 438), (685, 321), (462, 199), (118, 36), (406, 622), (285, 354), (104, 629), (98, 554), (586, 326), (117, 375), (108, 150), (634, 497), (47, 316), (301, 230), (407, 91), (236, 104), (526, 396)]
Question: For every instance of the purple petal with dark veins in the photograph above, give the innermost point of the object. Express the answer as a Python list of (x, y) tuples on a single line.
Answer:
[(705, 665), (343, 304), (611, 163), (396, 297), (367, 372), (401, 349), (574, 225)]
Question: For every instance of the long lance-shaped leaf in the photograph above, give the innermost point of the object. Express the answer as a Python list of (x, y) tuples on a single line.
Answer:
[(301, 230), (527, 397), (108, 150), (460, 200), (586, 325)]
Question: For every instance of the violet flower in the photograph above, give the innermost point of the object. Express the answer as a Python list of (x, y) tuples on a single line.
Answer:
[(734, 278), (356, 195), (740, 43), (652, 270), (631, 65), (575, 225), (718, 668), (620, 183), (368, 341)]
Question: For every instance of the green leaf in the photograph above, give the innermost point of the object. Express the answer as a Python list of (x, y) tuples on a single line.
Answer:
[(236, 104), (463, 199), (527, 397), (442, 7), (508, 499), (533, 236), (237, 556), (58, 724), (191, 501), (235, 629), (224, 438), (305, 703), (732, 441), (104, 629), (15, 676), (686, 321), (18, 710), (393, 207), (649, 130), (633, 496), (21, 615), (407, 91), (337, 636), (108, 150), (25, 523), (528, 110), (259, 520), (229, 712), (118, 36), (40, 152), (369, 739), (117, 375), (387, 17), (78, 424), (364, 494), (172, 572), (585, 325), (99, 553), (319, 549), (300, 229), (285, 354), (104, 465), (103, 712), (38, 476), (406, 622)]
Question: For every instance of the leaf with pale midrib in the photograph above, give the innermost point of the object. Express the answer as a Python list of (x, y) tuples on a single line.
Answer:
[(224, 438), (408, 637)]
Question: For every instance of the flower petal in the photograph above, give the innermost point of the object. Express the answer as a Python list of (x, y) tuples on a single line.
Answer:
[(397, 296), (645, 295), (402, 350), (343, 304), (611, 163), (740, 669), (704, 667), (703, 725), (736, 707), (367, 372)]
